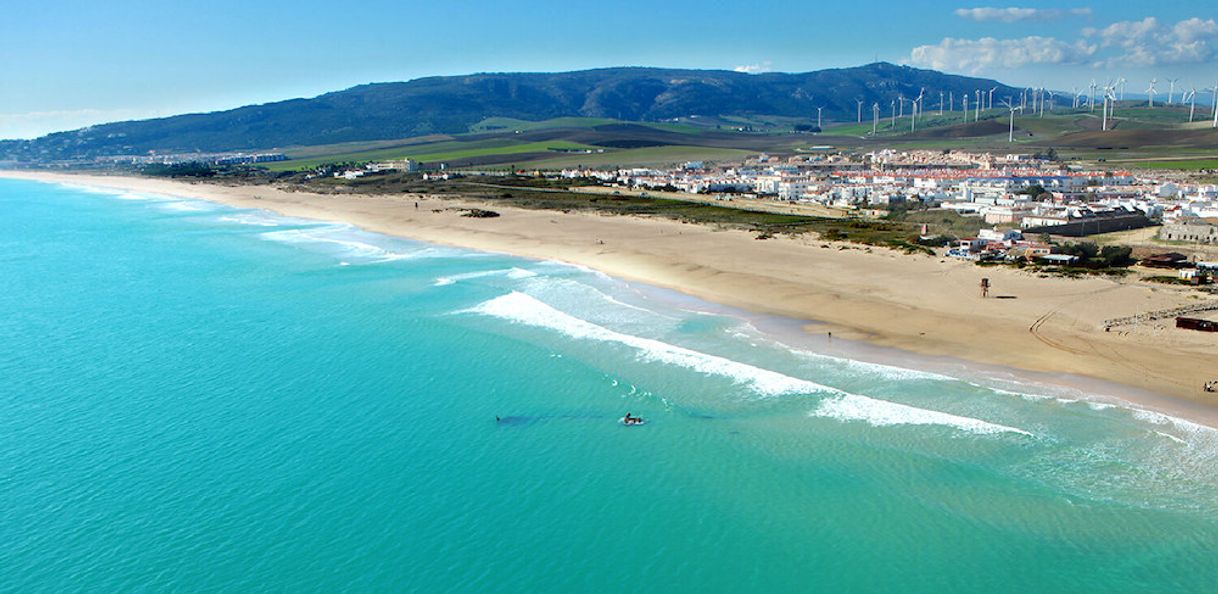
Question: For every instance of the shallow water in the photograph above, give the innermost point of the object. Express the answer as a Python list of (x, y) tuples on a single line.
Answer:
[(198, 397)]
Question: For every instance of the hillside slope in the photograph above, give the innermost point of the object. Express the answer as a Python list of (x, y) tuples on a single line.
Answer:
[(452, 104)]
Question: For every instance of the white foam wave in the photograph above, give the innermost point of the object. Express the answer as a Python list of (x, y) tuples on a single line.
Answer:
[(1158, 418), (1172, 437), (187, 206), (523, 309), (512, 273), (251, 219), (878, 369), (344, 236), (880, 413), (122, 194), (143, 197)]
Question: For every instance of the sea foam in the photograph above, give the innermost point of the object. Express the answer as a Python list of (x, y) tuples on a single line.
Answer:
[(350, 242), (524, 309), (513, 273)]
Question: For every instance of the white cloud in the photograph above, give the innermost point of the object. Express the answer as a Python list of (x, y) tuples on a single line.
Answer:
[(976, 55), (765, 66), (1014, 14), (1149, 43)]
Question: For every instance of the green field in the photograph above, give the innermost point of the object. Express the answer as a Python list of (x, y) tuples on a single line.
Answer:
[(434, 152), (1138, 132), (1184, 165), (657, 155), (512, 125)]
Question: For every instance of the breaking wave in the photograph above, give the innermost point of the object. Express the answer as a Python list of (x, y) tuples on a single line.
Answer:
[(513, 273), (351, 243), (523, 309)]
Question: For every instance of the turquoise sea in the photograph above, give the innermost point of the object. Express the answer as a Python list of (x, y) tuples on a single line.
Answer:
[(201, 398)]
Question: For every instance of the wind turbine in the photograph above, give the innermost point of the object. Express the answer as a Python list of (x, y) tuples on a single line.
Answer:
[(1191, 97), (860, 102), (1108, 96), (951, 101), (964, 102), (1011, 130), (940, 102), (992, 97), (1215, 107), (1091, 94), (1121, 82), (818, 110), (893, 124), (1171, 89), (1151, 92), (875, 117), (978, 108), (901, 106), (1074, 97)]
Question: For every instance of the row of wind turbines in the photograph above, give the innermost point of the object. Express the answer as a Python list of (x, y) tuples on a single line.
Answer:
[(1036, 99)]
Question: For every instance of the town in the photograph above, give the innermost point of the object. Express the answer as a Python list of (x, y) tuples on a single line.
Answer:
[(1015, 195)]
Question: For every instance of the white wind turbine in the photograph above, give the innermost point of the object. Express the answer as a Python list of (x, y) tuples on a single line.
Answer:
[(940, 102), (1091, 95), (1171, 89), (1191, 97), (991, 101), (901, 105), (875, 117), (1011, 129), (860, 102), (977, 116), (964, 102), (818, 110), (1215, 106), (1151, 92), (1109, 96), (915, 109), (893, 123)]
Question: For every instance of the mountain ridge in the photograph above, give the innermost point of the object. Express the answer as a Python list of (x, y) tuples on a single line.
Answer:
[(451, 104)]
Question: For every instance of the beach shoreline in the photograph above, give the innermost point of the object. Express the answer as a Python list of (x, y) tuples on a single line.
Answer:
[(1049, 329)]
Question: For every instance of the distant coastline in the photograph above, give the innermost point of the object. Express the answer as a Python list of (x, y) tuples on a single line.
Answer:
[(920, 304)]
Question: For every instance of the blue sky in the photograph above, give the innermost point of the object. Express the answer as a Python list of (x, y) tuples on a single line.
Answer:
[(69, 63)]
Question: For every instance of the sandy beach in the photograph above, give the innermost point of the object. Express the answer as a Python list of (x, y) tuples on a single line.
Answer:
[(921, 304)]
